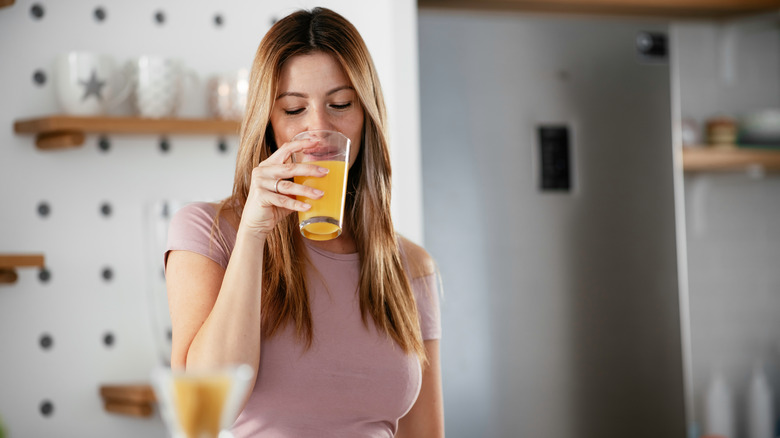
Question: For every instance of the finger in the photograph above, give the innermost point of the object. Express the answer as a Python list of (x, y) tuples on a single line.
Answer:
[(285, 187), (291, 170), (286, 202), (266, 175), (283, 154)]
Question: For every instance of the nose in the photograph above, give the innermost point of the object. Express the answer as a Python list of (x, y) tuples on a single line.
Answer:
[(318, 119)]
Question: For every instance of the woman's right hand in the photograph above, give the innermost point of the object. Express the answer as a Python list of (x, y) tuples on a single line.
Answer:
[(265, 207)]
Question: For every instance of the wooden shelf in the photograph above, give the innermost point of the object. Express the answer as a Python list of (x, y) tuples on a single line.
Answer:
[(715, 159), (668, 8), (9, 263), (61, 131)]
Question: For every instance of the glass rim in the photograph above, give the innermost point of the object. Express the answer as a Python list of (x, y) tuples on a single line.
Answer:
[(311, 131)]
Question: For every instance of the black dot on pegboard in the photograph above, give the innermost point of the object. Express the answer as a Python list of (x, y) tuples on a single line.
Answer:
[(222, 146), (105, 209), (165, 145), (274, 20), (99, 14), (104, 144), (44, 210), (107, 274), (44, 275), (170, 335), (47, 408), (219, 20), (39, 77), (37, 11), (46, 341), (159, 17), (108, 339)]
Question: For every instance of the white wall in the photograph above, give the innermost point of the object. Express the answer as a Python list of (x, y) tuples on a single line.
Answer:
[(732, 229), (76, 307)]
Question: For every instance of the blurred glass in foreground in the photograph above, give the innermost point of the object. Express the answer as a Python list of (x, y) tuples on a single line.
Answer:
[(201, 404)]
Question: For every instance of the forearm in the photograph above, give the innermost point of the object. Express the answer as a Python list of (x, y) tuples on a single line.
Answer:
[(231, 333)]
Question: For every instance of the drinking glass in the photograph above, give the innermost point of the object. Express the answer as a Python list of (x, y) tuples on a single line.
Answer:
[(201, 404), (324, 220)]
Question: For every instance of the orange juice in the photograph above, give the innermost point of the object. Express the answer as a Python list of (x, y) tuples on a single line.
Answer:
[(199, 402), (324, 218)]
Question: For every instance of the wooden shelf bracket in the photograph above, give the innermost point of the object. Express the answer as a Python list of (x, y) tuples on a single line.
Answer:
[(137, 400), (9, 263)]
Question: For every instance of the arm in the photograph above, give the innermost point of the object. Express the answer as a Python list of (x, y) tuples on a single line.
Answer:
[(426, 418), (215, 312)]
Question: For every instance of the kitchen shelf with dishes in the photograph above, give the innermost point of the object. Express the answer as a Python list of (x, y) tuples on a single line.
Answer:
[(64, 131), (10, 262), (730, 159), (749, 142)]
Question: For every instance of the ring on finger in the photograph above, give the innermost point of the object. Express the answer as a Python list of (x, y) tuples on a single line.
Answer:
[(276, 185)]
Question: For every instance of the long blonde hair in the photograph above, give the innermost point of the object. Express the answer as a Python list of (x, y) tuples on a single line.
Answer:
[(384, 288)]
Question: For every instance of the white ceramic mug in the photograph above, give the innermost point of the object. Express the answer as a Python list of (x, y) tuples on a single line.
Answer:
[(228, 93), (160, 83), (89, 84)]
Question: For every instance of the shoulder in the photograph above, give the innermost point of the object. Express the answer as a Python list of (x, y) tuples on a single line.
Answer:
[(191, 218), (193, 228), (423, 278), (227, 213), (196, 210), (204, 213), (421, 264)]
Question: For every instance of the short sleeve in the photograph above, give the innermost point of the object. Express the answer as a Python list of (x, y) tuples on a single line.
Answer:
[(191, 229), (426, 294)]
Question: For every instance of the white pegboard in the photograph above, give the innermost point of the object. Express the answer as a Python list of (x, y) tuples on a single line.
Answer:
[(76, 308)]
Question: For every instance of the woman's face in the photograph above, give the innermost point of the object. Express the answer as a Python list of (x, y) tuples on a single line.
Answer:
[(314, 93)]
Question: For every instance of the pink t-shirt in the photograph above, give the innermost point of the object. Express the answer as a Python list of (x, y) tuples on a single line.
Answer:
[(353, 381)]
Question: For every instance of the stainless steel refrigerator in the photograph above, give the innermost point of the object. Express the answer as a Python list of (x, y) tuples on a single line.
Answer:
[(549, 206)]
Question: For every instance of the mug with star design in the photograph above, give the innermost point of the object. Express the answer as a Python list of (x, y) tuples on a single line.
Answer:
[(89, 84)]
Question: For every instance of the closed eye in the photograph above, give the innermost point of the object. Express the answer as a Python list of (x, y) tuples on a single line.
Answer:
[(341, 106), (293, 112)]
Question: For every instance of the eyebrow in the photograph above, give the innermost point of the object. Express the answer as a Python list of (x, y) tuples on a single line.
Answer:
[(297, 94)]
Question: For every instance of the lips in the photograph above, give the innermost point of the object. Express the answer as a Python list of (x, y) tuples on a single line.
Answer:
[(323, 151)]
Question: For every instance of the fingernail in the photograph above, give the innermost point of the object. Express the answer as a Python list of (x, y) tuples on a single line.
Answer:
[(306, 206), (318, 192), (324, 170)]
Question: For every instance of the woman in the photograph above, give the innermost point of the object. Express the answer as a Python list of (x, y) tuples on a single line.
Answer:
[(344, 333)]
